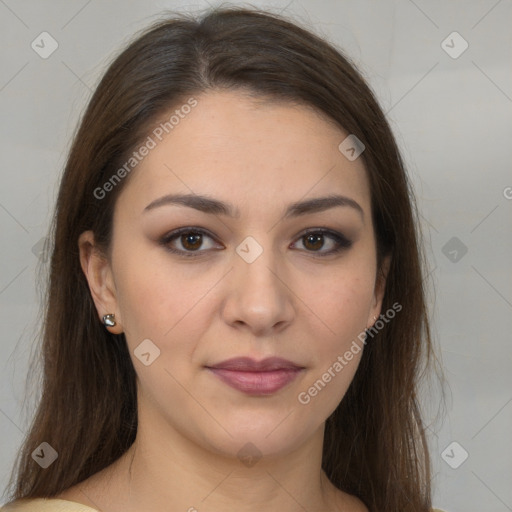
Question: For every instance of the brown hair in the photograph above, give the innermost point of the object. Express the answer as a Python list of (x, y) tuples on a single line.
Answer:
[(375, 445)]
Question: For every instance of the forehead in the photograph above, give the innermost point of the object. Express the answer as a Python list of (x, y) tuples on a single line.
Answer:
[(247, 151)]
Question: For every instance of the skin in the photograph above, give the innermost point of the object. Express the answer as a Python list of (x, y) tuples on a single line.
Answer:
[(291, 302)]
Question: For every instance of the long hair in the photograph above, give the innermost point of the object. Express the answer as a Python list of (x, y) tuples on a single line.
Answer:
[(375, 445)]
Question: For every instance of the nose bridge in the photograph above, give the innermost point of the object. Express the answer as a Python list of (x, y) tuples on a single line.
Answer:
[(258, 296), (256, 267)]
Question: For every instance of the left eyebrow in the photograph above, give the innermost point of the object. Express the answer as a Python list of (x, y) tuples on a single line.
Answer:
[(320, 204), (216, 207)]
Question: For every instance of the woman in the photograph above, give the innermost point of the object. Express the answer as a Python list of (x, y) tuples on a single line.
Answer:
[(236, 314)]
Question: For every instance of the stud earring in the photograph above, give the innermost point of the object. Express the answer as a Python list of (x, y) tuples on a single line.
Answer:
[(109, 320)]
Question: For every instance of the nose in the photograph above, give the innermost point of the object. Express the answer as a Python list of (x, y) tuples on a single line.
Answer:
[(258, 297)]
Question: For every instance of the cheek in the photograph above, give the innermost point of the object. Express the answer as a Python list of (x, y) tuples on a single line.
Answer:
[(344, 310), (343, 302), (158, 302), (341, 293)]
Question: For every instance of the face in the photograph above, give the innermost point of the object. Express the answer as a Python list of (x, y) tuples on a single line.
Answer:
[(258, 276)]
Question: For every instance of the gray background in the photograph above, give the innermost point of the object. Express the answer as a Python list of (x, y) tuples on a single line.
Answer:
[(452, 117)]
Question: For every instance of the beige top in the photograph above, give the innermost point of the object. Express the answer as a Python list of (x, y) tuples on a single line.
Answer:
[(55, 505)]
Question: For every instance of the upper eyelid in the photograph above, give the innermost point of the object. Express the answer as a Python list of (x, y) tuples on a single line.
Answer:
[(329, 232)]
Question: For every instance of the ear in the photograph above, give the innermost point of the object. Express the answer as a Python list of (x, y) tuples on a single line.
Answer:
[(380, 288), (98, 273)]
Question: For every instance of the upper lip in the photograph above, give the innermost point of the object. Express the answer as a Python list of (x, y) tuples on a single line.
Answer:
[(247, 364)]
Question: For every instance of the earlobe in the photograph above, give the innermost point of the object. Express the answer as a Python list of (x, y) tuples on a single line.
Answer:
[(98, 272)]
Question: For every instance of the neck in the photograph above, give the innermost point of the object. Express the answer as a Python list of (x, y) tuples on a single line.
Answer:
[(164, 470)]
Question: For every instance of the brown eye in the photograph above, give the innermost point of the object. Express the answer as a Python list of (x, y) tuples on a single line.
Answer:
[(315, 240), (188, 242), (192, 241)]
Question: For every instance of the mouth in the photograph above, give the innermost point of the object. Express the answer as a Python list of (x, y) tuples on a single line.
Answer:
[(256, 377)]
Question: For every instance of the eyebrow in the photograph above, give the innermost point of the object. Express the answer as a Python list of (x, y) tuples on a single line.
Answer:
[(215, 207)]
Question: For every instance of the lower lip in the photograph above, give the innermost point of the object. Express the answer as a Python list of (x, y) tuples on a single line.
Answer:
[(256, 383)]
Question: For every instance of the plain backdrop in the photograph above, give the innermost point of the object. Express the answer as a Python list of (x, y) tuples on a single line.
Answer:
[(450, 108)]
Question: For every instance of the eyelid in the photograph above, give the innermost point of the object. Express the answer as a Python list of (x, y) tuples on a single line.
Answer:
[(343, 243), (166, 240)]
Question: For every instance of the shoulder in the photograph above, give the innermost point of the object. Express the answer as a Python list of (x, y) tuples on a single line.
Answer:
[(45, 505)]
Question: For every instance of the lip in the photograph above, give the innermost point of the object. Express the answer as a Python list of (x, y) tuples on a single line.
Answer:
[(256, 377)]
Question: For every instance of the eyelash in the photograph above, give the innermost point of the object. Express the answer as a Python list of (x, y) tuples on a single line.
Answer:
[(341, 241)]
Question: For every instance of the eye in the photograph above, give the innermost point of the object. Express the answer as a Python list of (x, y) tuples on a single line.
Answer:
[(190, 239), (313, 240)]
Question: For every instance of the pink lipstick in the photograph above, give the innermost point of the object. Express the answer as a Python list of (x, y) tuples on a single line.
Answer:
[(256, 377)]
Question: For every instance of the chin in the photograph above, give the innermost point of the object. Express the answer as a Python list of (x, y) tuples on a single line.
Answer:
[(258, 435)]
